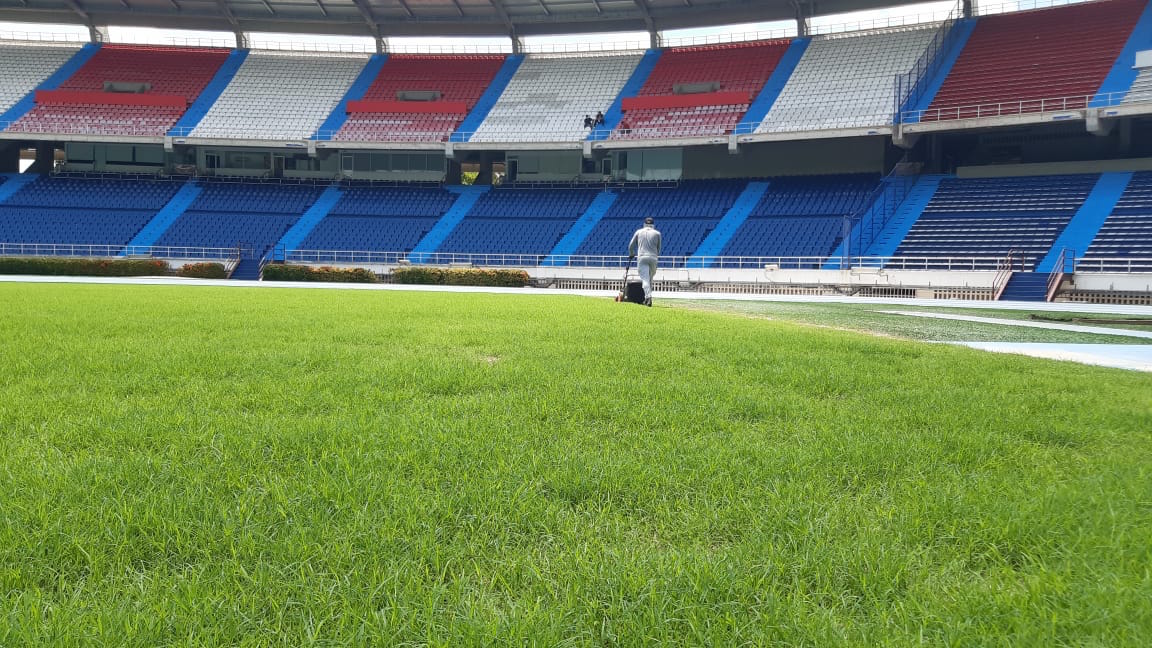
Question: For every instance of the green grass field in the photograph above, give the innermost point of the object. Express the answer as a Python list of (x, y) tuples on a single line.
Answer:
[(249, 467)]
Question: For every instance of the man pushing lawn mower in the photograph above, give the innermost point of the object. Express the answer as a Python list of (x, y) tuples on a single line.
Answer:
[(645, 248)]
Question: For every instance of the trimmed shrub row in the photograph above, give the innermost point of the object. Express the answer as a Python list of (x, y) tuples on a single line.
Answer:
[(461, 277), (84, 267), (287, 272), (203, 271)]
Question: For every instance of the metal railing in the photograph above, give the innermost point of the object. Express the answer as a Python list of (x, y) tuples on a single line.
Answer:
[(910, 86), (957, 264), (1113, 265), (1012, 108), (110, 251), (859, 230), (1014, 261), (1065, 264)]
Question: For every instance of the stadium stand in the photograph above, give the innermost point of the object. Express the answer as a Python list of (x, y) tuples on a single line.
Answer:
[(801, 216), (378, 219), (252, 216), (702, 90), (79, 211), (1127, 232), (384, 115), (1014, 61), (1141, 88), (846, 81), (547, 98), (686, 214), (168, 79), (518, 221), (23, 67), (278, 96), (991, 217)]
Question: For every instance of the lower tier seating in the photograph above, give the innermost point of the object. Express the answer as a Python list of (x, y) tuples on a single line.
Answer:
[(85, 212), (518, 221), (378, 219), (1124, 242), (989, 217)]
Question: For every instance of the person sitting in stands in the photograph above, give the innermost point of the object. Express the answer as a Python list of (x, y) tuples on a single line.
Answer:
[(588, 121), (599, 118), (625, 127)]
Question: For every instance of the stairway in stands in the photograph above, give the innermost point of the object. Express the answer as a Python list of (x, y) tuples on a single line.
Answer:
[(247, 270), (1026, 286)]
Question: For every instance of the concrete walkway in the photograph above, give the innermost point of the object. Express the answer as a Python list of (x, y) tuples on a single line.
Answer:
[(1136, 357), (1097, 330)]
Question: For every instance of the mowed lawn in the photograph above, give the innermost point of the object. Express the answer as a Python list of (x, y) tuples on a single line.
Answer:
[(248, 467)]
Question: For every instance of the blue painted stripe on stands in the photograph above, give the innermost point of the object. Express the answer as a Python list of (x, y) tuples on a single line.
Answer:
[(355, 92), (487, 100), (65, 72), (150, 233), (1080, 231), (762, 105), (448, 222), (199, 108), (639, 77), (1123, 74), (713, 245), (15, 182), (311, 218), (905, 217), (580, 230), (963, 29)]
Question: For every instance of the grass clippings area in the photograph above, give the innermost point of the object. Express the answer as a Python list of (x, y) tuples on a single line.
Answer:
[(874, 318), (220, 467)]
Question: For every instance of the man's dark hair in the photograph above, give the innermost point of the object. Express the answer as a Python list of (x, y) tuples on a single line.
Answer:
[(649, 221)]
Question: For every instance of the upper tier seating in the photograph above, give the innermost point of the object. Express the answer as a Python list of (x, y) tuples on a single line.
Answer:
[(278, 96), (458, 78), (739, 67), (82, 212), (378, 219), (1013, 61), (990, 217), (845, 81), (170, 71), (801, 217), (253, 216), (23, 67), (518, 221), (1141, 89), (1127, 233), (549, 95), (685, 215)]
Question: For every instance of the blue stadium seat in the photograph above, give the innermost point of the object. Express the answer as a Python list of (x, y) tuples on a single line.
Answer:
[(379, 219), (1127, 233)]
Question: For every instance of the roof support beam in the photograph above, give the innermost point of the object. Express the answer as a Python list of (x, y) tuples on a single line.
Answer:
[(406, 8), (653, 33), (459, 9), (94, 35), (517, 44), (599, 11), (804, 10), (241, 37), (373, 25), (323, 9)]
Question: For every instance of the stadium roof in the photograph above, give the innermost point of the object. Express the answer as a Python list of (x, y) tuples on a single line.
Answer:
[(420, 17)]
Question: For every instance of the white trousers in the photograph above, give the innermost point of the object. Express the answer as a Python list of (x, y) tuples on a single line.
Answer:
[(646, 266)]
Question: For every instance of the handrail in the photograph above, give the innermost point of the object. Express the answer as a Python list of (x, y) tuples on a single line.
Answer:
[(1056, 276), (1004, 271), (910, 85), (1112, 265), (888, 193)]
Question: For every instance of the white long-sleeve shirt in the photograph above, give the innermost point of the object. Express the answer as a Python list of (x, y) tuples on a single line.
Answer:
[(645, 242)]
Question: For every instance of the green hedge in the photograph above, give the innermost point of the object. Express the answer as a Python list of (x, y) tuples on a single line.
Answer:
[(286, 272), (203, 271), (461, 277), (84, 267)]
